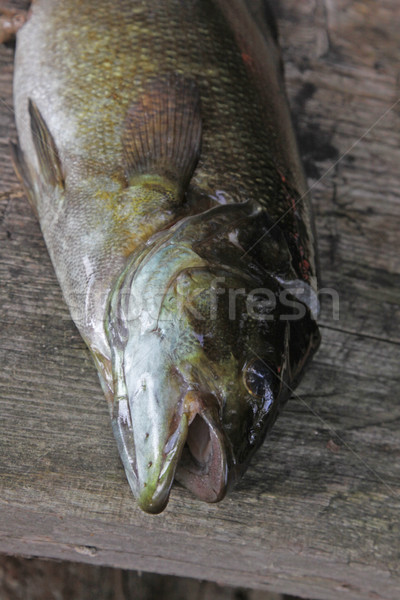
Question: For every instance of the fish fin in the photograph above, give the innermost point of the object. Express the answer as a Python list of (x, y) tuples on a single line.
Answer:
[(46, 149), (162, 133), (23, 173)]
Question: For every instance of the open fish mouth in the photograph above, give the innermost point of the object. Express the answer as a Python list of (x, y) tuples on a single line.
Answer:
[(203, 466), (195, 454)]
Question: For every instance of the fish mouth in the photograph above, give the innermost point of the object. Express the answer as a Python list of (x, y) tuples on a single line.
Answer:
[(203, 465), (195, 454)]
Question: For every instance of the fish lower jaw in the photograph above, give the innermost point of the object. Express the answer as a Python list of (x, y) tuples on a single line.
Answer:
[(203, 466)]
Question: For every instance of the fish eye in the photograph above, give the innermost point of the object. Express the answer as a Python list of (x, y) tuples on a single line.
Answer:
[(258, 379)]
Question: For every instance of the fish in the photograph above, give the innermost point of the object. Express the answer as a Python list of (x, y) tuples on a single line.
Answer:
[(156, 148)]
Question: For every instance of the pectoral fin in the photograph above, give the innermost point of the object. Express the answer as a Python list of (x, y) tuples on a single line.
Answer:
[(46, 149), (162, 133)]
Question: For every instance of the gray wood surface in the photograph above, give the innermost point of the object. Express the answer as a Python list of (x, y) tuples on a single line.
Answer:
[(317, 514), (38, 579)]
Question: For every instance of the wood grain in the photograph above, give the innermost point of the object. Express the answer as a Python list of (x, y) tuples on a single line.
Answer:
[(39, 579), (317, 514)]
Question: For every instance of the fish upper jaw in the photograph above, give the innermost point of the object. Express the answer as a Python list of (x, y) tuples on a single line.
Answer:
[(150, 471)]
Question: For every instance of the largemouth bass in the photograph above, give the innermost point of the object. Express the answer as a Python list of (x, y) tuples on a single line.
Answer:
[(156, 148)]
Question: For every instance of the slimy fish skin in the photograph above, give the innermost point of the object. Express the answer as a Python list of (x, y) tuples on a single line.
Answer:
[(155, 146)]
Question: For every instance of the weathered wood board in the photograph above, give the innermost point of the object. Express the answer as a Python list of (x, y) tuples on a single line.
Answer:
[(318, 512), (44, 579)]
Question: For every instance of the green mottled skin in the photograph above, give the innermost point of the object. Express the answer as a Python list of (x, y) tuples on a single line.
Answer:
[(84, 64)]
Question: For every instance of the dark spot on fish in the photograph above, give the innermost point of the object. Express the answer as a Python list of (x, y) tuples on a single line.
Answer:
[(146, 436), (150, 464)]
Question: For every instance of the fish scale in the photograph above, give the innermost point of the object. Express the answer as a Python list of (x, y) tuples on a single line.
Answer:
[(156, 147)]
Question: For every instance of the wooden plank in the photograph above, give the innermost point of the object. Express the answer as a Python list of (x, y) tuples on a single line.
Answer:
[(37, 579), (317, 514)]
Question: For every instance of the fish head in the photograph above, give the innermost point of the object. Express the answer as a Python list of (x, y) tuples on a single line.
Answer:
[(198, 373)]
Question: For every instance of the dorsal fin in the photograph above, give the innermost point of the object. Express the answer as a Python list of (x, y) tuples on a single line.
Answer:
[(162, 133), (46, 149)]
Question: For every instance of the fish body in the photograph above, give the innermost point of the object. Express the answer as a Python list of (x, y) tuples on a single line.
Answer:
[(156, 147)]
